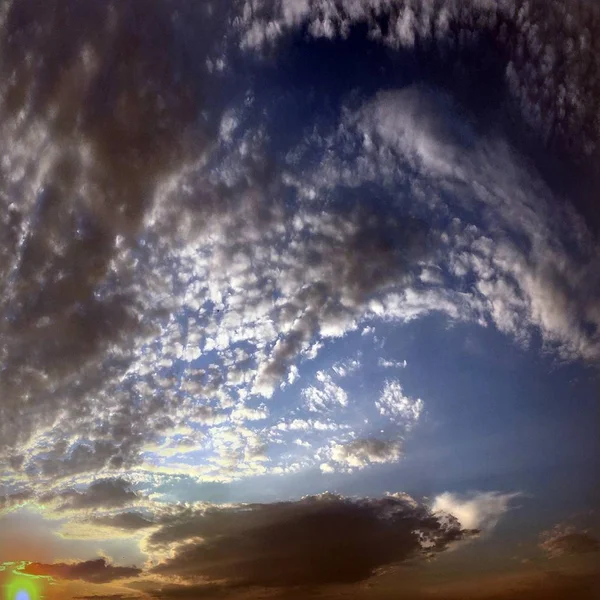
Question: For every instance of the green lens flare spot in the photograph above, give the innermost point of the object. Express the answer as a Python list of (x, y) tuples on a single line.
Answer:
[(24, 588)]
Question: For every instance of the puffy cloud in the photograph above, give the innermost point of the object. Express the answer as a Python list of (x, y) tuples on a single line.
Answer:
[(565, 540), (391, 364), (480, 511), (315, 541), (362, 452), (337, 263), (325, 394), (245, 413), (320, 278), (93, 571), (393, 403)]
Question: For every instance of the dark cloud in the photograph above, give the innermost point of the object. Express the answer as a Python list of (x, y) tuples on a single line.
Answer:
[(92, 571), (104, 493), (127, 521), (12, 500), (565, 540), (315, 541)]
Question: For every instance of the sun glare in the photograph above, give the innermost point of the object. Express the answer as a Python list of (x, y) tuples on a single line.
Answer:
[(24, 588)]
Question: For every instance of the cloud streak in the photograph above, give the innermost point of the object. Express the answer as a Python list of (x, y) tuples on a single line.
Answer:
[(92, 571)]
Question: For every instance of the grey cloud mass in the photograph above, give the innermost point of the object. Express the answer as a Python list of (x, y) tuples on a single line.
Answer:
[(91, 124), (315, 541), (93, 571), (565, 540), (126, 521), (104, 494), (362, 452)]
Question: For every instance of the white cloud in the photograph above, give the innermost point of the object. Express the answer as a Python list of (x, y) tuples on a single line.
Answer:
[(325, 395), (343, 368), (395, 405), (229, 123), (392, 364), (480, 510), (245, 413)]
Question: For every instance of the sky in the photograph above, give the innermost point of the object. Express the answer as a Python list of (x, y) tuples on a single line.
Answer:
[(299, 299)]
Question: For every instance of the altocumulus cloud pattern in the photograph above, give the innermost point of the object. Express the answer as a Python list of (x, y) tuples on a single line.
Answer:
[(299, 298)]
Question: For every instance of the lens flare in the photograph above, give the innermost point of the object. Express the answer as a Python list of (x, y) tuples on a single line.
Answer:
[(23, 587)]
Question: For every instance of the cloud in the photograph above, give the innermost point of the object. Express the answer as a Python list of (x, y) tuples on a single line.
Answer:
[(104, 493), (92, 571), (481, 510), (347, 258), (512, 253), (318, 540), (564, 540), (362, 452), (89, 135), (150, 235), (393, 403), (391, 364), (325, 394), (541, 56), (331, 265), (542, 72), (126, 521), (15, 500)]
